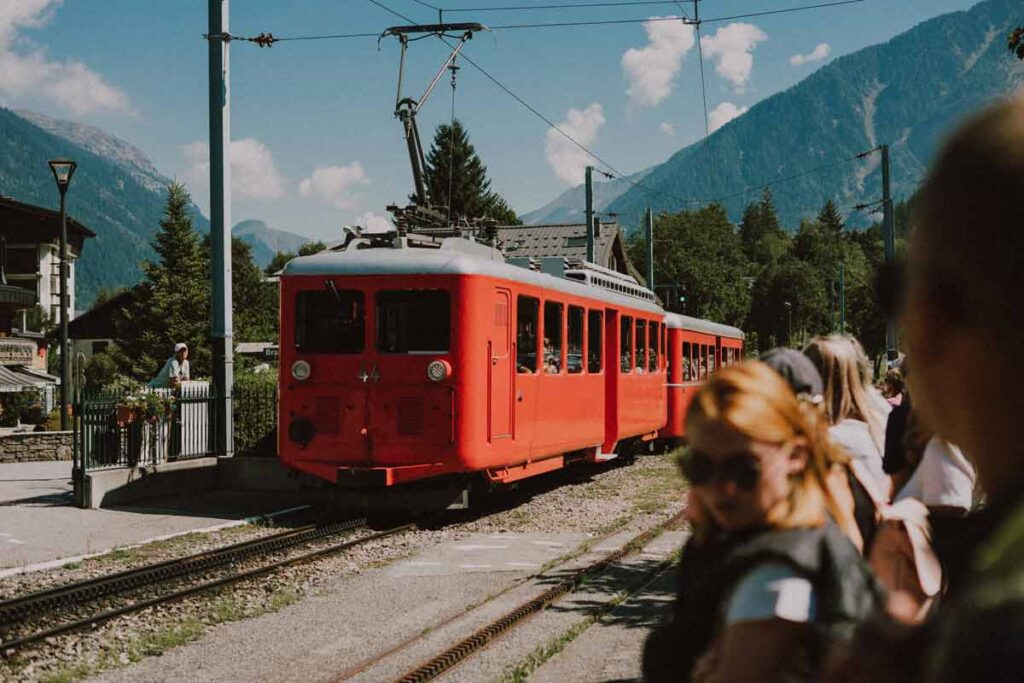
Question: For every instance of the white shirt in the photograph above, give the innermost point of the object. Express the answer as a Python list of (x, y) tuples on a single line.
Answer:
[(855, 437), (172, 368), (943, 478), (772, 590)]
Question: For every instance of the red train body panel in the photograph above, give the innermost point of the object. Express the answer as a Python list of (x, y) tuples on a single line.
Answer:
[(695, 347), (524, 367)]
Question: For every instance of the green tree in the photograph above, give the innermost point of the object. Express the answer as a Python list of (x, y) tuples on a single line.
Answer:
[(764, 241), (310, 248), (798, 284), (457, 178), (173, 300), (701, 251), (830, 218), (255, 302), (278, 262)]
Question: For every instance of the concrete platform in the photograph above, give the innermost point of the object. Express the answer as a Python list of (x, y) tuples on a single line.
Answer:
[(39, 522)]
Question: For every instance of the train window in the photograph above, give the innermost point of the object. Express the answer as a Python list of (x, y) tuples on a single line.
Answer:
[(711, 359), (417, 321), (574, 359), (526, 334), (686, 362), (703, 373), (626, 344), (552, 337), (652, 357), (330, 321), (641, 345), (595, 339)]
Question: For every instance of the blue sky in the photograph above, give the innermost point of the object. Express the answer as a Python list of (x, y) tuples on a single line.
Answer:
[(316, 145)]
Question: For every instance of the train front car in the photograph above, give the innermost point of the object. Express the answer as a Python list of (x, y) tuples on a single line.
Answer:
[(405, 364), (695, 348)]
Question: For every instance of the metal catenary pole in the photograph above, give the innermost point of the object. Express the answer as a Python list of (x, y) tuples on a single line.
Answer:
[(842, 297), (589, 175), (65, 363), (649, 234), (890, 247), (220, 223)]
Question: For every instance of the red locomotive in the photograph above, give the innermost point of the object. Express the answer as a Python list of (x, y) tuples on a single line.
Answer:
[(400, 363)]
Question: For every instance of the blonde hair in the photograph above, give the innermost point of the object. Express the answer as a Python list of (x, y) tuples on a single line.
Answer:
[(841, 364), (752, 399)]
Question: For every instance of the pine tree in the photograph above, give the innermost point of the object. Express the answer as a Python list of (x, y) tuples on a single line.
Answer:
[(458, 179), (829, 217), (173, 300)]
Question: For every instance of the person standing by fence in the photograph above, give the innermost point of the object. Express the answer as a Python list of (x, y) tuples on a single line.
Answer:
[(175, 370)]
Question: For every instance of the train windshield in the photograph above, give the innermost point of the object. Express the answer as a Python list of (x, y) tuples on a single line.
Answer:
[(330, 321), (416, 321)]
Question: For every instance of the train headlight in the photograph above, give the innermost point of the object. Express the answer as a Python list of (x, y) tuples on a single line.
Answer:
[(301, 370), (438, 370)]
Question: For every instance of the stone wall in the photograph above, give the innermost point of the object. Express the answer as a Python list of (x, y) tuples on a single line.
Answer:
[(35, 446)]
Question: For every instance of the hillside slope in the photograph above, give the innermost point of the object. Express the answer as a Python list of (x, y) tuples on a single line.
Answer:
[(907, 92)]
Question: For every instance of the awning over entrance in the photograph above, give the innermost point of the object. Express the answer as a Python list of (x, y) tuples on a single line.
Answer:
[(20, 378)]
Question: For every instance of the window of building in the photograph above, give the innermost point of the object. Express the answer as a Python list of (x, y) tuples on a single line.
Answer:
[(626, 344), (574, 357), (417, 321), (99, 346), (526, 334), (330, 321), (686, 362), (595, 339), (652, 357), (552, 337), (641, 345)]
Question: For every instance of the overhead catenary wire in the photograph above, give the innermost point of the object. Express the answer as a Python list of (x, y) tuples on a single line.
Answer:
[(704, 98), (521, 8)]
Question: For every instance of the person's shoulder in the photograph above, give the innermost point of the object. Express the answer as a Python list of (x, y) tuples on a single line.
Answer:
[(771, 590)]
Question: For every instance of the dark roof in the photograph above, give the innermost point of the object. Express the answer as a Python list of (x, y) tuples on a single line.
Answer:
[(21, 222), (17, 297), (98, 321), (568, 240)]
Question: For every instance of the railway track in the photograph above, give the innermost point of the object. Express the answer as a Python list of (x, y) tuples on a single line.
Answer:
[(47, 605), (450, 657)]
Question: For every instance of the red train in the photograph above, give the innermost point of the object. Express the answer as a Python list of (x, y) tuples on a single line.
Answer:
[(443, 360)]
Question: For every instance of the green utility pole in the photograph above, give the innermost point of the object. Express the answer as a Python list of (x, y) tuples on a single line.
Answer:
[(220, 224), (590, 212), (649, 234), (890, 248), (842, 297)]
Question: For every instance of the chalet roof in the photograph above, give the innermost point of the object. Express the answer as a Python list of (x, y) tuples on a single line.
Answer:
[(98, 321), (21, 222), (568, 240)]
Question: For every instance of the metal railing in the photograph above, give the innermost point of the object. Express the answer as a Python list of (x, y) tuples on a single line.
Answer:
[(108, 433)]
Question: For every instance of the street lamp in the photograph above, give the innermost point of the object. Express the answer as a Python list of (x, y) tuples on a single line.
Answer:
[(63, 170), (789, 329)]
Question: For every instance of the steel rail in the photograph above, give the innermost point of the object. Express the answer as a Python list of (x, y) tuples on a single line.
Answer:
[(455, 654), (576, 552), (47, 600), (96, 619)]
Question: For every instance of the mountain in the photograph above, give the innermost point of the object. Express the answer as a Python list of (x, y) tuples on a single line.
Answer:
[(267, 241), (116, 192), (568, 207), (908, 92)]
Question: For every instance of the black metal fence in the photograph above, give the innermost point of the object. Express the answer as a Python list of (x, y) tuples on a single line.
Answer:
[(157, 426)]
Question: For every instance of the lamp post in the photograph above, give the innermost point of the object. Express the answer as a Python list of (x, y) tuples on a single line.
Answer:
[(789, 325), (63, 169)]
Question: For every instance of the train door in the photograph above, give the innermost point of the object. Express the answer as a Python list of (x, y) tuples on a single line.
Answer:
[(611, 373), (500, 377)]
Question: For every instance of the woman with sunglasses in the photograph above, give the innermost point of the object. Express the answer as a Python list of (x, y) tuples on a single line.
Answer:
[(770, 580)]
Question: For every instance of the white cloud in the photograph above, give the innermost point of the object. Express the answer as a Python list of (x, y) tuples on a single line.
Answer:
[(651, 70), (667, 128), (820, 51), (253, 174), (565, 158), (334, 184), (374, 222), (27, 72), (731, 47), (723, 114)]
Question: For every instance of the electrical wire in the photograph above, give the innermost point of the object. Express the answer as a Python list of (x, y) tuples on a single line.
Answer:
[(519, 8)]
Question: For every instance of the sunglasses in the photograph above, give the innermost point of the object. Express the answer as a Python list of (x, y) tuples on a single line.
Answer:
[(701, 469)]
